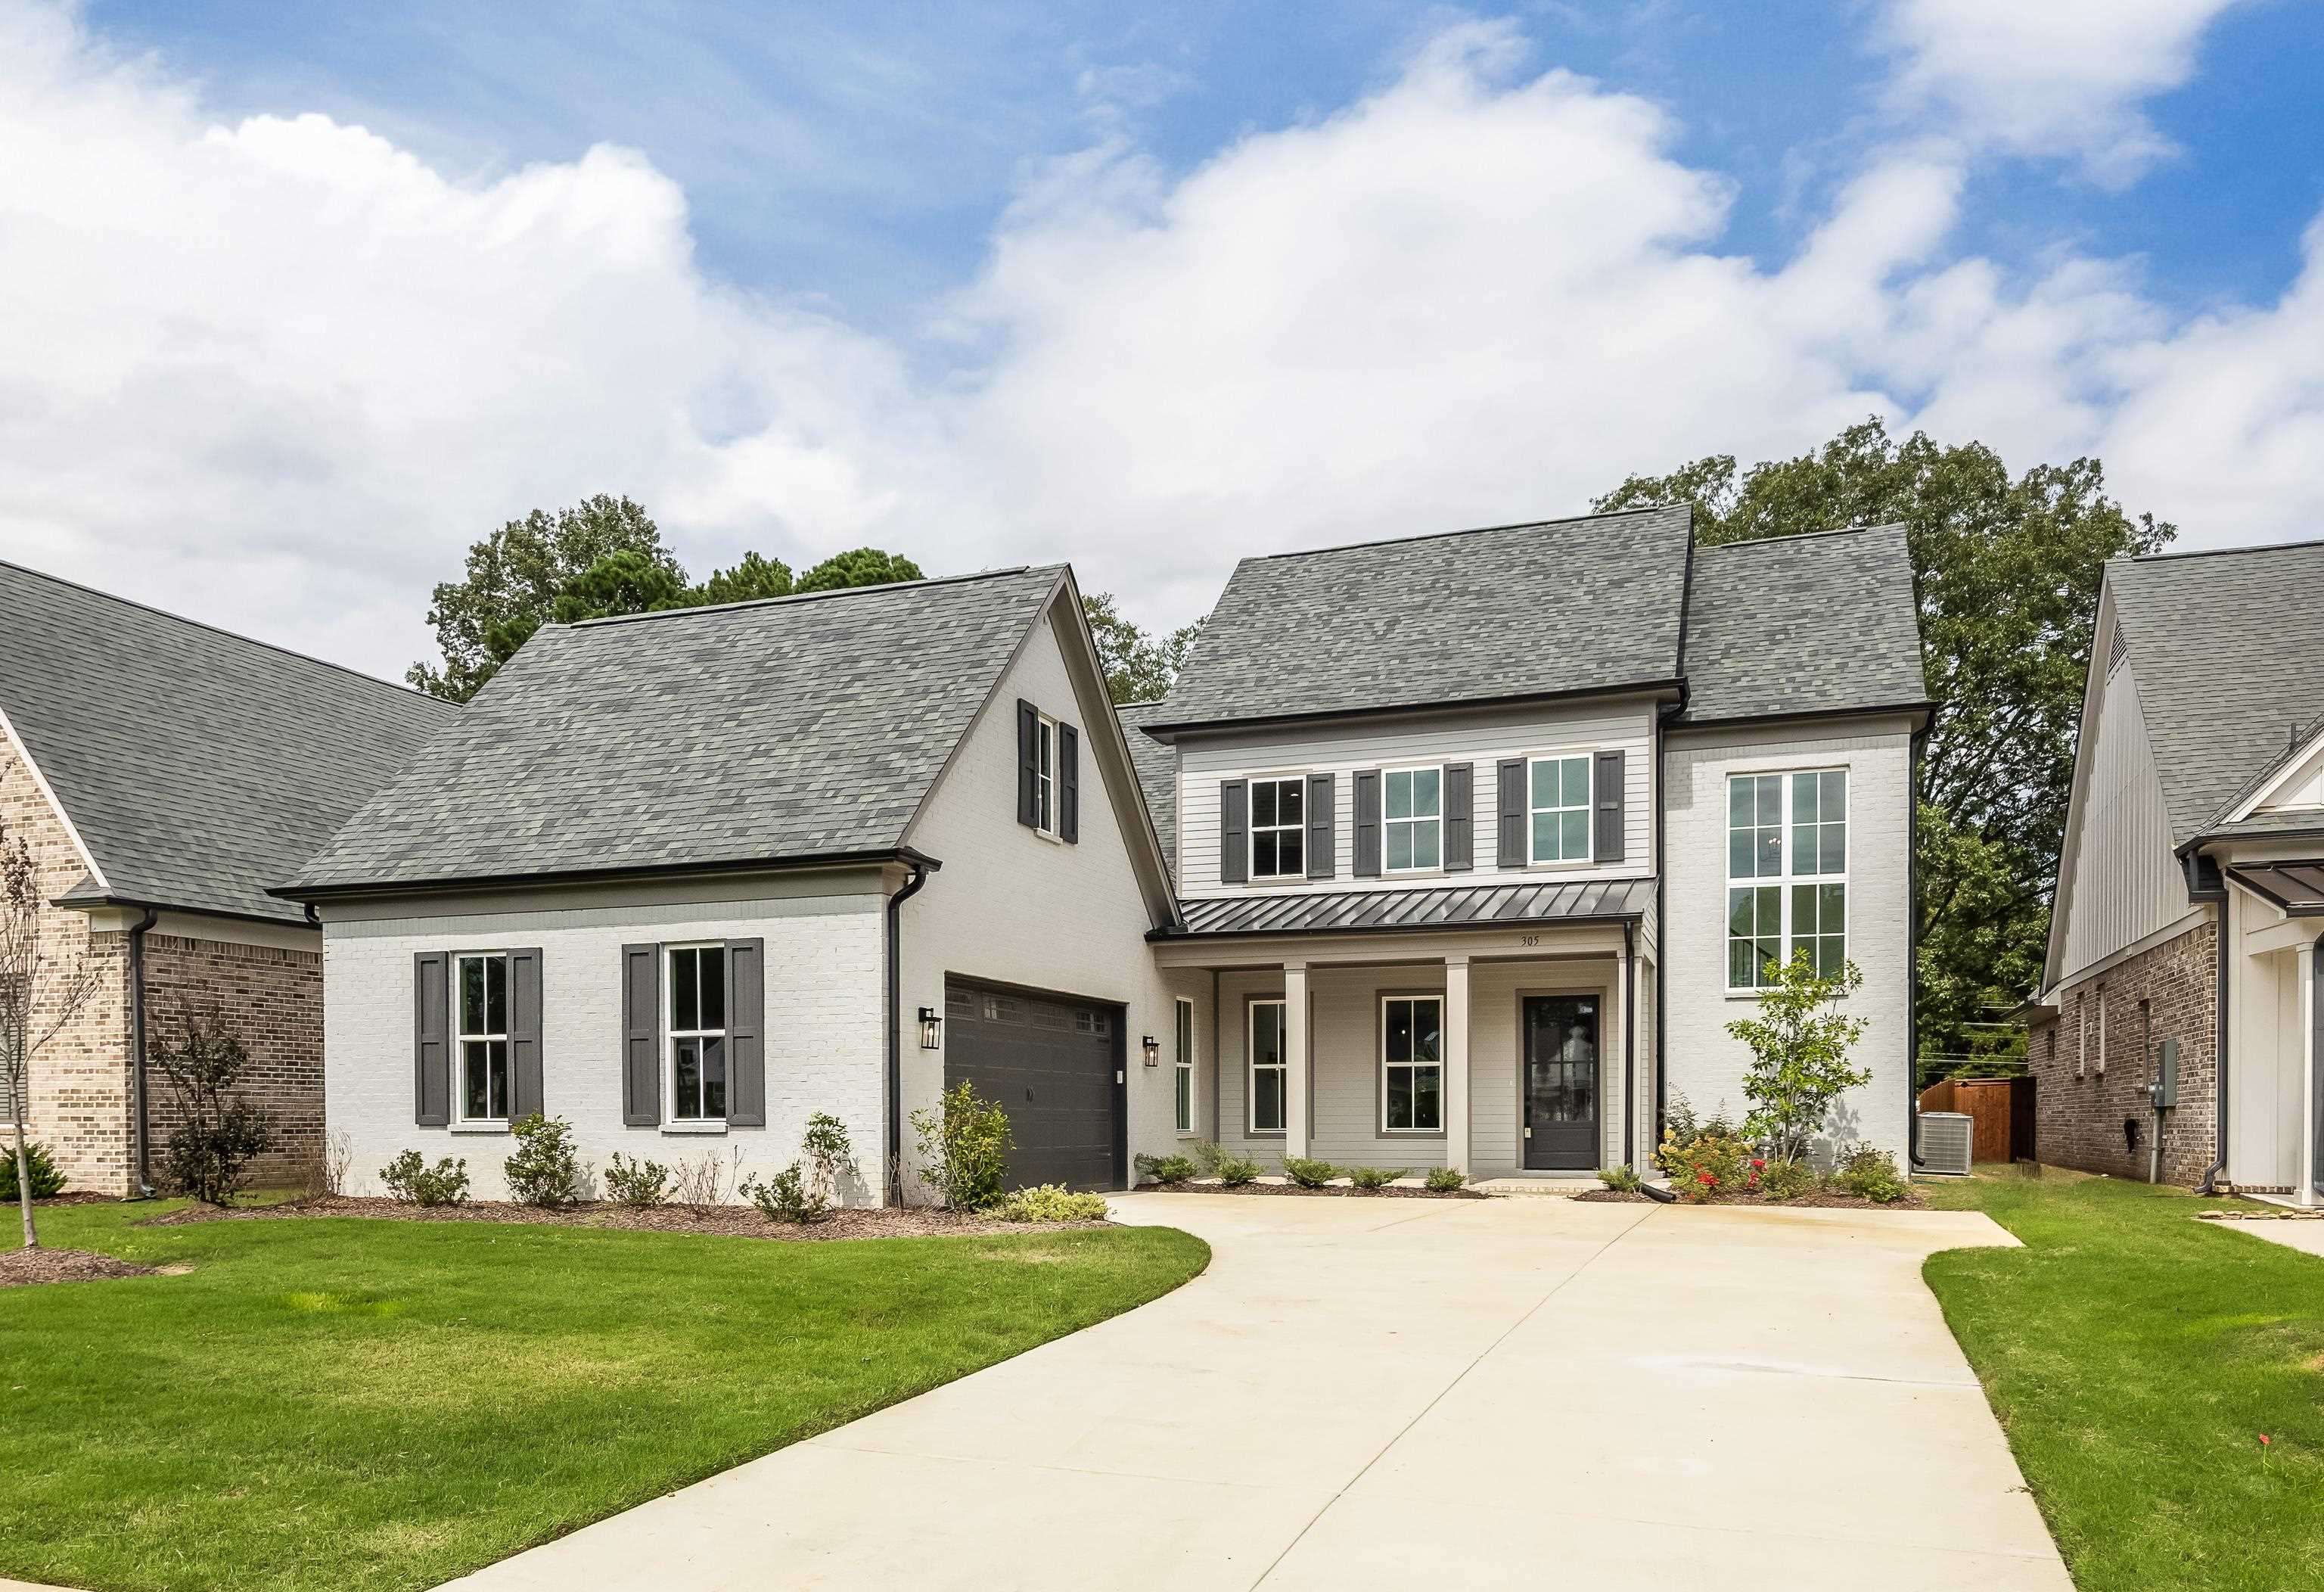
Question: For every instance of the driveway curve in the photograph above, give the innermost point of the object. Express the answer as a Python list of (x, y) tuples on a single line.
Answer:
[(1388, 1393)]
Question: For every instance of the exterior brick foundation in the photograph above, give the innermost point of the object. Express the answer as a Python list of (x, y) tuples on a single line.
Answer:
[(2080, 1108)]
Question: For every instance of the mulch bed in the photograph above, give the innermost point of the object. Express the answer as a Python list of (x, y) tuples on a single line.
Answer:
[(730, 1221), (1823, 1200), (74, 1199), (21, 1268), (1328, 1190)]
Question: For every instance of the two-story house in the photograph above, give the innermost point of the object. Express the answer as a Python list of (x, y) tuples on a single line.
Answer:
[(1456, 850)]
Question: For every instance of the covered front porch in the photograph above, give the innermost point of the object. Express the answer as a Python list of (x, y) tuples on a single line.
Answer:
[(1506, 1033), (2275, 1054)]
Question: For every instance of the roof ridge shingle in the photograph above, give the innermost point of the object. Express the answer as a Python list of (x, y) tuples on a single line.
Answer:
[(802, 596), (1309, 552)]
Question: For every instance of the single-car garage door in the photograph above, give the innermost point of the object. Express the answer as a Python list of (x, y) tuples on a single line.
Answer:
[(1055, 1064)]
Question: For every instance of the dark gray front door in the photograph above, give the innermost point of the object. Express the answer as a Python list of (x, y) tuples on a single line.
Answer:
[(1053, 1064), (1561, 1083)]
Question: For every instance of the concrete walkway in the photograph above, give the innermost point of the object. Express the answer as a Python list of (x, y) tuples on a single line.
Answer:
[(1392, 1394)]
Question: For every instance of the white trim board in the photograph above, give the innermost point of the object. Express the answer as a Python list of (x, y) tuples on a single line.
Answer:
[(48, 793)]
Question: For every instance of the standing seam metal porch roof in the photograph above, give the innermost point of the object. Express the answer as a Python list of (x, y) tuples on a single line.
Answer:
[(1458, 906)]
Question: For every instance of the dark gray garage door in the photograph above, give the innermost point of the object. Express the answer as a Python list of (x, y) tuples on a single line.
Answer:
[(1051, 1061)]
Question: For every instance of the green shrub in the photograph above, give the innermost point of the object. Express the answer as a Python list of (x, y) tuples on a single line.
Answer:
[(787, 1196), (830, 1157), (415, 1182), (544, 1171), (47, 1181), (1235, 1170), (1444, 1180), (1051, 1202), (1372, 1179), (1789, 1179), (1869, 1174), (637, 1182), (219, 1133), (964, 1148), (1308, 1173), (1703, 1156), (1169, 1171), (1622, 1180)]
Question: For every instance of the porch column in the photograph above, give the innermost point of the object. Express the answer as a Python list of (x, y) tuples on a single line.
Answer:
[(1295, 1058), (2307, 1016), (1456, 1062)]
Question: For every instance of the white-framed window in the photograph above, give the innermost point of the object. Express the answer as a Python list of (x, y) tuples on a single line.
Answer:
[(1268, 1083), (1412, 1064), (1412, 818), (1557, 804), (1278, 827), (2102, 1031), (1045, 776), (1786, 872), (695, 1024), (1183, 1064), (481, 1019)]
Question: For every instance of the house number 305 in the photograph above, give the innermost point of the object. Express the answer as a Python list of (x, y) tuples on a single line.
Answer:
[(1529, 940)]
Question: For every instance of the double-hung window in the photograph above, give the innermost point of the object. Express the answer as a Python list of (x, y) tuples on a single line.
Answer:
[(1412, 1064), (481, 979), (1268, 1083), (1045, 777), (1413, 817), (1557, 799), (697, 1033), (1787, 873), (1183, 1065), (1279, 829)]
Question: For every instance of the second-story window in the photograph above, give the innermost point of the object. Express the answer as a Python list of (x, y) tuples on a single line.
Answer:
[(1279, 829), (1787, 873), (1557, 794), (1412, 806), (1045, 779)]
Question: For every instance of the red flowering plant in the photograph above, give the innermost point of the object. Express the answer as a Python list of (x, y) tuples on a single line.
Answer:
[(1705, 1159)]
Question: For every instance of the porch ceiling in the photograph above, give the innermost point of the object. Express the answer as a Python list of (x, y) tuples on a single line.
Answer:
[(2297, 887), (1374, 912)]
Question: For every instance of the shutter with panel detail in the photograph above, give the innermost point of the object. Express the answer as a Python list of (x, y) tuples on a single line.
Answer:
[(641, 1035), (1069, 783), (1321, 860), (1607, 794), (525, 1034), (431, 1025), (1368, 824), (1028, 765), (1234, 831), (1460, 817), (746, 1033), (1509, 813)]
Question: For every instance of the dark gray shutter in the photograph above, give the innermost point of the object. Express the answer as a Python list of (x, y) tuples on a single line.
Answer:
[(1234, 831), (1028, 765), (746, 1033), (431, 1031), (1321, 861), (1069, 783), (641, 1035), (1607, 794), (1368, 824), (1509, 814), (1460, 817), (525, 1034)]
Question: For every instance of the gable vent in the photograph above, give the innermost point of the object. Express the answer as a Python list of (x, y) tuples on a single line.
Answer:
[(2118, 650)]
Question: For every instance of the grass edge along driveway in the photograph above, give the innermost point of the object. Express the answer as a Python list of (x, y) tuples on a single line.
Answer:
[(371, 1404), (2136, 1356)]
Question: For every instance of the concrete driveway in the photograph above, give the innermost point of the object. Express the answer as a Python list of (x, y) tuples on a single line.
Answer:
[(1392, 1394)]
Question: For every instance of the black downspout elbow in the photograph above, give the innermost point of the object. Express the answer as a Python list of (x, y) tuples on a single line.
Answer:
[(896, 1032), (2210, 1182), (140, 1117)]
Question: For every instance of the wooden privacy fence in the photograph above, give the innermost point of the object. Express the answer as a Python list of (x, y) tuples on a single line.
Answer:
[(2001, 1110)]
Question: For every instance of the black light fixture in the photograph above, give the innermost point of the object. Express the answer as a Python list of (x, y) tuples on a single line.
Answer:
[(931, 1029), (1153, 1049)]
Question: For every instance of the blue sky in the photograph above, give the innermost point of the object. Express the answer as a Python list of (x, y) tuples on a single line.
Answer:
[(297, 300)]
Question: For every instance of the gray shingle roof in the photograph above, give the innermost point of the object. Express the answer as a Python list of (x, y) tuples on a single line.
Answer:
[(1450, 907), (1158, 769), (798, 728), (2227, 666), (1815, 623), (1566, 605), (198, 766)]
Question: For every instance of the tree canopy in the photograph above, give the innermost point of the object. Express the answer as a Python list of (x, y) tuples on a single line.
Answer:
[(600, 558), (2007, 572), (1138, 667)]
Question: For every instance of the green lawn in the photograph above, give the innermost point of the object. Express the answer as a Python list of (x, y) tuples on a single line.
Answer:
[(2136, 1356), (349, 1403)]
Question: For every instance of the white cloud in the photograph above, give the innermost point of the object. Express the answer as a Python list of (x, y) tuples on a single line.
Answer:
[(279, 373)]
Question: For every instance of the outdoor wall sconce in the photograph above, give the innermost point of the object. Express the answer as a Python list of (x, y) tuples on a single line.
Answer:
[(1153, 1050), (931, 1028)]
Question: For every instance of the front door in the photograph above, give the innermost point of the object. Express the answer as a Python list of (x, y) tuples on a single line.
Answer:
[(1561, 1083)]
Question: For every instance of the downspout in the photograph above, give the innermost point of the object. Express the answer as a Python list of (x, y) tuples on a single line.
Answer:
[(895, 1031), (1630, 1045), (140, 1119), (1913, 956), (2211, 1181)]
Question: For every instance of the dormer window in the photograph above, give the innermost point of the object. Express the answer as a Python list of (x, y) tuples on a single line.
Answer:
[(1413, 814), (1279, 829)]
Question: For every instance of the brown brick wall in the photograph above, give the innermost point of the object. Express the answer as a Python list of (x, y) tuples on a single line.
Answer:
[(273, 1001), (2079, 1118)]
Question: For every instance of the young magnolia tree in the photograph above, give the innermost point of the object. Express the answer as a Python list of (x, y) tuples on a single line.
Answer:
[(1799, 1054), (38, 996)]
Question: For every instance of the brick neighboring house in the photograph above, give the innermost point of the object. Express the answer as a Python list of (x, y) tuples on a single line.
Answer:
[(2191, 884), (165, 773)]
